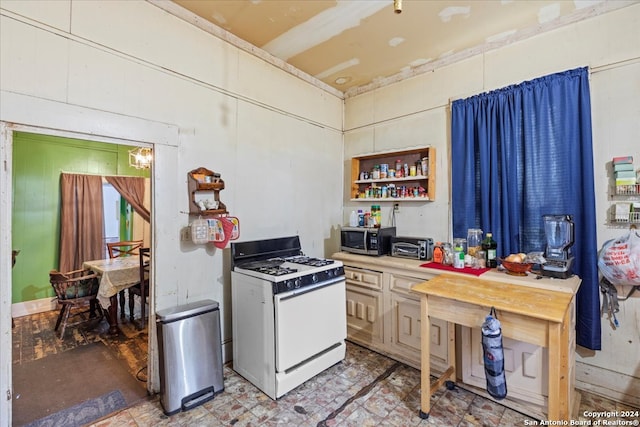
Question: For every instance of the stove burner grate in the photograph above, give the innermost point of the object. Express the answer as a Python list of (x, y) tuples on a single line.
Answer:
[(313, 262), (275, 271)]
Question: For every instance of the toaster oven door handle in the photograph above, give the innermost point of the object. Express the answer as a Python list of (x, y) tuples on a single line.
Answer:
[(401, 250)]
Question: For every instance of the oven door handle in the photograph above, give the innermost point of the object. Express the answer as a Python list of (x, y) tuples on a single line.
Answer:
[(301, 291)]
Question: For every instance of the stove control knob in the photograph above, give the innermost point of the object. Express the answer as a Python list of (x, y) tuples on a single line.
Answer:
[(297, 283), (314, 278), (289, 284), (330, 273)]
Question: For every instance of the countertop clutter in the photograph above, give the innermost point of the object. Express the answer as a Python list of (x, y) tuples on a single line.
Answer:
[(410, 265)]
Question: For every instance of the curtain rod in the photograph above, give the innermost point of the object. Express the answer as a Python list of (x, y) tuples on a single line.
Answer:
[(101, 174), (590, 69)]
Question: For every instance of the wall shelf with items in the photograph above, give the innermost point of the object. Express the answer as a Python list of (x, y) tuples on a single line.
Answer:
[(375, 177), (204, 193), (626, 209)]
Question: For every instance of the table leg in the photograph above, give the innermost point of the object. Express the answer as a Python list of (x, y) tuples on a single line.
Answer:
[(425, 360), (112, 315), (555, 372), (566, 381)]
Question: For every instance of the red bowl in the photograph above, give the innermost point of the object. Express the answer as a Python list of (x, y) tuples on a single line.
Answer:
[(516, 268)]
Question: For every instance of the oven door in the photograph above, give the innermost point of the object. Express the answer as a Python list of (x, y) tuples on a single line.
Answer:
[(308, 322)]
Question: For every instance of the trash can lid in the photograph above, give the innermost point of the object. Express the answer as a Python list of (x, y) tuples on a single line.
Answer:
[(186, 310)]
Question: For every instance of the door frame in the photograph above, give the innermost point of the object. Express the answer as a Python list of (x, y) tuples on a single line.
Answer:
[(27, 114)]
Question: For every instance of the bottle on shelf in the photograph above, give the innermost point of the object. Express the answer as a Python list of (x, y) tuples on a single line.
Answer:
[(376, 215), (360, 218), (490, 247), (353, 219)]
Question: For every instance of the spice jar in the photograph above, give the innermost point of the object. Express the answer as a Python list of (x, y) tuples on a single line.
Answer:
[(375, 174)]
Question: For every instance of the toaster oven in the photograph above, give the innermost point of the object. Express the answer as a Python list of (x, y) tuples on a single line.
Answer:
[(412, 247)]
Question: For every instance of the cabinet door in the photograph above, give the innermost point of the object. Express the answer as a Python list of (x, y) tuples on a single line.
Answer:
[(364, 316), (525, 366), (405, 337)]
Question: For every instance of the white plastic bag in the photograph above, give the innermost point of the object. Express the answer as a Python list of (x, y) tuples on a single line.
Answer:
[(619, 259)]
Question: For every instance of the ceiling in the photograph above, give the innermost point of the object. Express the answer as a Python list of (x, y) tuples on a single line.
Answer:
[(354, 46)]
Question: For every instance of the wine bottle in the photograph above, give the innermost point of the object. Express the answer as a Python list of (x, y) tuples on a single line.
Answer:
[(490, 248)]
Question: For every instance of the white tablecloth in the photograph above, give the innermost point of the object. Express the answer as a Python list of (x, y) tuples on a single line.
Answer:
[(116, 274)]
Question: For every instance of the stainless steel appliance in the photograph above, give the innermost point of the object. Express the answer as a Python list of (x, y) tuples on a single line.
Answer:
[(190, 355), (289, 316), (559, 232), (374, 241), (412, 247)]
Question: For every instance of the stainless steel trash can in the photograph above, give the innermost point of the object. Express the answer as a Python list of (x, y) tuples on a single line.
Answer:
[(190, 355)]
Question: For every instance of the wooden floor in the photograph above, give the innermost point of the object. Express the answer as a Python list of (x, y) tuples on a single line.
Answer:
[(34, 338)]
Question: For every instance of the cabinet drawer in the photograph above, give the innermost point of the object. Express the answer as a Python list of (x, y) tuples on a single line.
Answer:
[(403, 284), (361, 277)]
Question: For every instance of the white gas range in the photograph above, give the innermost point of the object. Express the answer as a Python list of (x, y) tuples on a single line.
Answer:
[(289, 314)]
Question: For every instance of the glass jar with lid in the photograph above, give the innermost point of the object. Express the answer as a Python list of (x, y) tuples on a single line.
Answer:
[(474, 241)]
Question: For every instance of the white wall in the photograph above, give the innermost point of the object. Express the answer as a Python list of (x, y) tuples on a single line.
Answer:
[(128, 71), (416, 112)]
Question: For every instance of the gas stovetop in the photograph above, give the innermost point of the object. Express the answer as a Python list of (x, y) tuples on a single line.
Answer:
[(290, 270), (314, 262)]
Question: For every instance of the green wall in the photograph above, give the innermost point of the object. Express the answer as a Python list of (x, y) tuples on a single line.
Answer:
[(38, 161)]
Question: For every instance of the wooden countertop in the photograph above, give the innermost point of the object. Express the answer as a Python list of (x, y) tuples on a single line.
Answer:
[(541, 304), (408, 266)]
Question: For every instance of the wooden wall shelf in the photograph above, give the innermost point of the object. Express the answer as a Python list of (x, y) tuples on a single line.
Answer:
[(367, 163), (205, 185)]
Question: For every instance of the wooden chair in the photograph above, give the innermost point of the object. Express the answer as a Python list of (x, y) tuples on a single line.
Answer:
[(142, 288), (75, 289), (123, 248)]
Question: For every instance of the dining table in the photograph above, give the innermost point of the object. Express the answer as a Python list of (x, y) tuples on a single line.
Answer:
[(116, 274)]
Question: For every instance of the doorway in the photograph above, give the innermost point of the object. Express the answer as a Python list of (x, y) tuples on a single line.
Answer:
[(37, 163)]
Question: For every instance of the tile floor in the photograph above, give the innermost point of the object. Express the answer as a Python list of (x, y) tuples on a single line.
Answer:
[(366, 389)]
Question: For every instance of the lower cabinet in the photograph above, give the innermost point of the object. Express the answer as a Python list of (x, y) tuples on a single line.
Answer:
[(384, 315), (404, 337), (365, 307), (525, 366)]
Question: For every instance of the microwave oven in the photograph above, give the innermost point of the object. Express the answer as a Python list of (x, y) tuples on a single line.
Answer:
[(375, 241), (412, 247)]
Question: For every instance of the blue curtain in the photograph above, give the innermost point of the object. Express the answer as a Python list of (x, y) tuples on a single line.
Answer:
[(519, 153)]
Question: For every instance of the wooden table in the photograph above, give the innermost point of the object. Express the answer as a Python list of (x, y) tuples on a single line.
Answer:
[(537, 316), (116, 274)]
